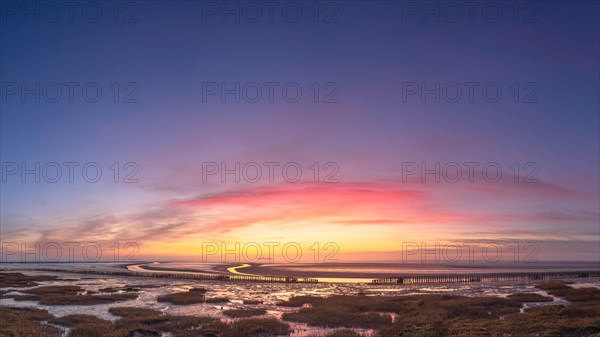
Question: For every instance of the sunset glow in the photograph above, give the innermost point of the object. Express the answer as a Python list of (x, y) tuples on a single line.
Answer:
[(368, 167)]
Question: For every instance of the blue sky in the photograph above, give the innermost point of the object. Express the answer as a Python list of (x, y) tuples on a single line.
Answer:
[(366, 57)]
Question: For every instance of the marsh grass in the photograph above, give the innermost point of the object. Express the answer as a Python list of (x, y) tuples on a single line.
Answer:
[(343, 333), (238, 313), (374, 311), (20, 280), (217, 300), (552, 285), (571, 294), (16, 322), (183, 298), (252, 327), (132, 322), (529, 297), (70, 295), (144, 322), (127, 312), (414, 316), (246, 327), (133, 288), (55, 295), (441, 315)]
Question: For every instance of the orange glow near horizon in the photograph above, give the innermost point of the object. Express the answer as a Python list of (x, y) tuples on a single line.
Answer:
[(358, 218)]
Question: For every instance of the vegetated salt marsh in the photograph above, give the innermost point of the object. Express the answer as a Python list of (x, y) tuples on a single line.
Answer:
[(308, 309)]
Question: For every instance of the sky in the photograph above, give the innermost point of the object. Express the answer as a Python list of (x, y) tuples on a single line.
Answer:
[(374, 125)]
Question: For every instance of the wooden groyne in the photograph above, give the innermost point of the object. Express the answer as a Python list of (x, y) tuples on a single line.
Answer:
[(497, 277), (179, 275), (409, 279)]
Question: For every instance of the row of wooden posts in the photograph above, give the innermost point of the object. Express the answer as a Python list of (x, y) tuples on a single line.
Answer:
[(412, 279), (500, 277)]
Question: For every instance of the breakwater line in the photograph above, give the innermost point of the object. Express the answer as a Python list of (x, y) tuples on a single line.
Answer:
[(495, 277)]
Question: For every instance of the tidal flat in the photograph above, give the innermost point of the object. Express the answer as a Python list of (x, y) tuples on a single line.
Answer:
[(71, 305)]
